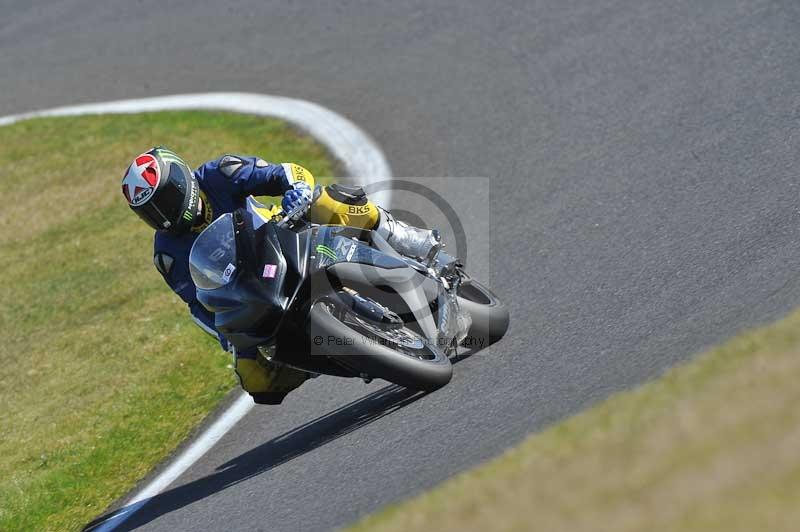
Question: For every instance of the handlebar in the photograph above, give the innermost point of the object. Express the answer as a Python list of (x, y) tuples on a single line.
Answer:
[(293, 215)]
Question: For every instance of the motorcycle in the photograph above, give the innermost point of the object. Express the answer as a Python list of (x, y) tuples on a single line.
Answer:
[(339, 300)]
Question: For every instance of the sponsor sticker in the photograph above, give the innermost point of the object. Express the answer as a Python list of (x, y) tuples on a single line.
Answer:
[(270, 270), (226, 275), (351, 251)]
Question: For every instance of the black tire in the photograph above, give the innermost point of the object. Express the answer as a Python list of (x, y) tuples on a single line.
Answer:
[(489, 316), (429, 370)]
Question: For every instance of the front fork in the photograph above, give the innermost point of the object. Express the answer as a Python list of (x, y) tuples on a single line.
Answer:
[(454, 322)]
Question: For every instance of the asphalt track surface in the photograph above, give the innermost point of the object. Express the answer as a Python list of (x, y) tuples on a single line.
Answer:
[(644, 203)]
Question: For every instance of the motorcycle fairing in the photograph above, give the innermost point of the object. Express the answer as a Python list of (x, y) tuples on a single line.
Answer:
[(249, 308), (380, 273), (332, 244)]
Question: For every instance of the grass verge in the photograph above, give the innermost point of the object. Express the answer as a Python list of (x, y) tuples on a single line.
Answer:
[(102, 373), (711, 446)]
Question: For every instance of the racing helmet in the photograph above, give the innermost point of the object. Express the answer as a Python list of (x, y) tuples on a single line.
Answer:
[(163, 191)]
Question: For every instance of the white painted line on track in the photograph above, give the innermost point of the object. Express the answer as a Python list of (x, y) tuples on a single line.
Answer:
[(363, 160)]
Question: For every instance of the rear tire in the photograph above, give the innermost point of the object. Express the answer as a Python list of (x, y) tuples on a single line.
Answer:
[(489, 316), (416, 365)]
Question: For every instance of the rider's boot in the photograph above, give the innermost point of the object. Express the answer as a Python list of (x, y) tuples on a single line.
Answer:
[(266, 381), (419, 244)]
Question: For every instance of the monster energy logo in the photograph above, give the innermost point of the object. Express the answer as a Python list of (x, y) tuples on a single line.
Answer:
[(187, 216), (326, 251), (169, 156)]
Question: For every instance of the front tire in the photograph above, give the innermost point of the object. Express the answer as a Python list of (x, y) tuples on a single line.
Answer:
[(402, 357)]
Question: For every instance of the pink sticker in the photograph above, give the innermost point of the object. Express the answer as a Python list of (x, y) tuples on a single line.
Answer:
[(269, 271)]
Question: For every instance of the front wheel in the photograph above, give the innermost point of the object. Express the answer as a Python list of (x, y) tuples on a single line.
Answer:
[(398, 355)]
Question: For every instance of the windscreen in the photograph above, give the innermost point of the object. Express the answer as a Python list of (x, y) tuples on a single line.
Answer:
[(212, 261)]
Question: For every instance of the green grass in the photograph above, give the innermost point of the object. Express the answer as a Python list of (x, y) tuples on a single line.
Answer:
[(713, 445), (102, 373)]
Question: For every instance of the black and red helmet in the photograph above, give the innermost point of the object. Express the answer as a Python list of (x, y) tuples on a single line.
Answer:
[(162, 190)]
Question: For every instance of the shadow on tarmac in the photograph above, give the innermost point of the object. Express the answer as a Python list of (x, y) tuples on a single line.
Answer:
[(269, 455)]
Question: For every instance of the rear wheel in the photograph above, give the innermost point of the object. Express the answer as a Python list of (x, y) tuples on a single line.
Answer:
[(489, 316), (399, 355)]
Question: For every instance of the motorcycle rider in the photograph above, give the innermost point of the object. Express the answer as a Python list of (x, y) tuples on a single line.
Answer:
[(179, 203)]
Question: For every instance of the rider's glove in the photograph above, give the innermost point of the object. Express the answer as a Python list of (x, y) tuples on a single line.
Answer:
[(299, 194)]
